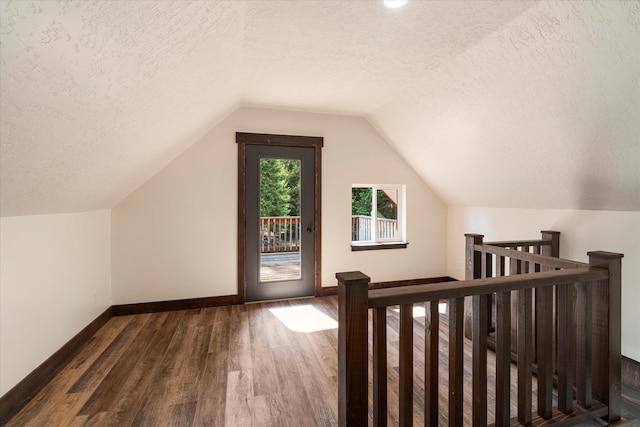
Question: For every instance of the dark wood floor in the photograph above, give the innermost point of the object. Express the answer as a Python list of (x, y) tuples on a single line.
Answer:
[(223, 366)]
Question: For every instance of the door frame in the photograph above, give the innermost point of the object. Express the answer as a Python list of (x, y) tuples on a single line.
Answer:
[(316, 142)]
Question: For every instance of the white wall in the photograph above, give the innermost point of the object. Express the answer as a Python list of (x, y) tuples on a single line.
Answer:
[(581, 232), (176, 236), (51, 268)]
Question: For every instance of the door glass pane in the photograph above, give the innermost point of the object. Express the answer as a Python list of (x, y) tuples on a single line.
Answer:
[(279, 219), (387, 214)]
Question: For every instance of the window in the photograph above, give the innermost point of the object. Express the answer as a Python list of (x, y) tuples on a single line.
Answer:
[(377, 216)]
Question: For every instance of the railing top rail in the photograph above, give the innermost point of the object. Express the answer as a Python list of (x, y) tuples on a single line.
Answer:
[(527, 256), (448, 290), (512, 243)]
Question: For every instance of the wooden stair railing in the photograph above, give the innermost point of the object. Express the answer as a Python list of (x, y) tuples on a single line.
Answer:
[(587, 324)]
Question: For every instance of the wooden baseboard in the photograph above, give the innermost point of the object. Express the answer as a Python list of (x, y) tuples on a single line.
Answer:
[(333, 290), (26, 389), (326, 291), (182, 304), (631, 373)]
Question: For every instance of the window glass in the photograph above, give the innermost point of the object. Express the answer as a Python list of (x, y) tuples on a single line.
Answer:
[(377, 213), (387, 214), (361, 215)]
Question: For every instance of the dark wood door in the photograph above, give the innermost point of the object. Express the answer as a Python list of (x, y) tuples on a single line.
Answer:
[(279, 224)]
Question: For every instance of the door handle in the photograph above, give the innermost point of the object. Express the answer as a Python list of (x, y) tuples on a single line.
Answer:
[(309, 229)]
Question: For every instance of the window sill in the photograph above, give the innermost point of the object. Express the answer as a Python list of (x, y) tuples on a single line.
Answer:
[(378, 246)]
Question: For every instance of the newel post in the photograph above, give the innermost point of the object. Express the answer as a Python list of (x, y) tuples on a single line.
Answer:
[(553, 249), (472, 270), (352, 348), (606, 330)]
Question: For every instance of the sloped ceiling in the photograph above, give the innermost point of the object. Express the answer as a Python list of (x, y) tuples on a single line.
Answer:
[(493, 103)]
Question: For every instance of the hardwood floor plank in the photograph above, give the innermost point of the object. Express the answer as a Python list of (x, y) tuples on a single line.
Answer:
[(239, 339), (108, 358), (187, 376), (156, 403), (181, 414), (263, 413), (141, 377), (94, 420), (113, 383), (47, 398), (98, 343), (181, 368), (219, 340), (265, 381), (293, 394), (210, 410), (320, 391), (239, 401)]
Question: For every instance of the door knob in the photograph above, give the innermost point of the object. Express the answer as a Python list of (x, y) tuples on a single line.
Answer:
[(309, 229)]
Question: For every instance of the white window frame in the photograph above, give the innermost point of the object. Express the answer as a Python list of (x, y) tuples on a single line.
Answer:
[(401, 213)]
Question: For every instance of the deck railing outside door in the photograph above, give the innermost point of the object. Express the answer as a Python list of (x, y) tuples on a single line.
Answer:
[(280, 234)]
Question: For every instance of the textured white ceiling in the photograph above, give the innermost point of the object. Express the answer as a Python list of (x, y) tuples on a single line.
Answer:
[(540, 100), (98, 96), (543, 113)]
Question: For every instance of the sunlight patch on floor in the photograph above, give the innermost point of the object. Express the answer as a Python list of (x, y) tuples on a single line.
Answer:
[(304, 318), (418, 310)]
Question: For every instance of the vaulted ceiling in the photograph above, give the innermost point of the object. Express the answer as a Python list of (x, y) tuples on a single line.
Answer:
[(494, 103)]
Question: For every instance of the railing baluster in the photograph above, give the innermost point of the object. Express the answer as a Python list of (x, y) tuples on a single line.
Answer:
[(281, 242), (479, 359), (276, 235), (503, 358), (583, 345), (488, 272), (473, 270), (261, 235), (432, 347), (525, 355), (544, 306), (406, 365), (515, 267), (287, 234), (552, 250), (566, 356), (499, 266), (380, 367), (456, 360), (544, 330)]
